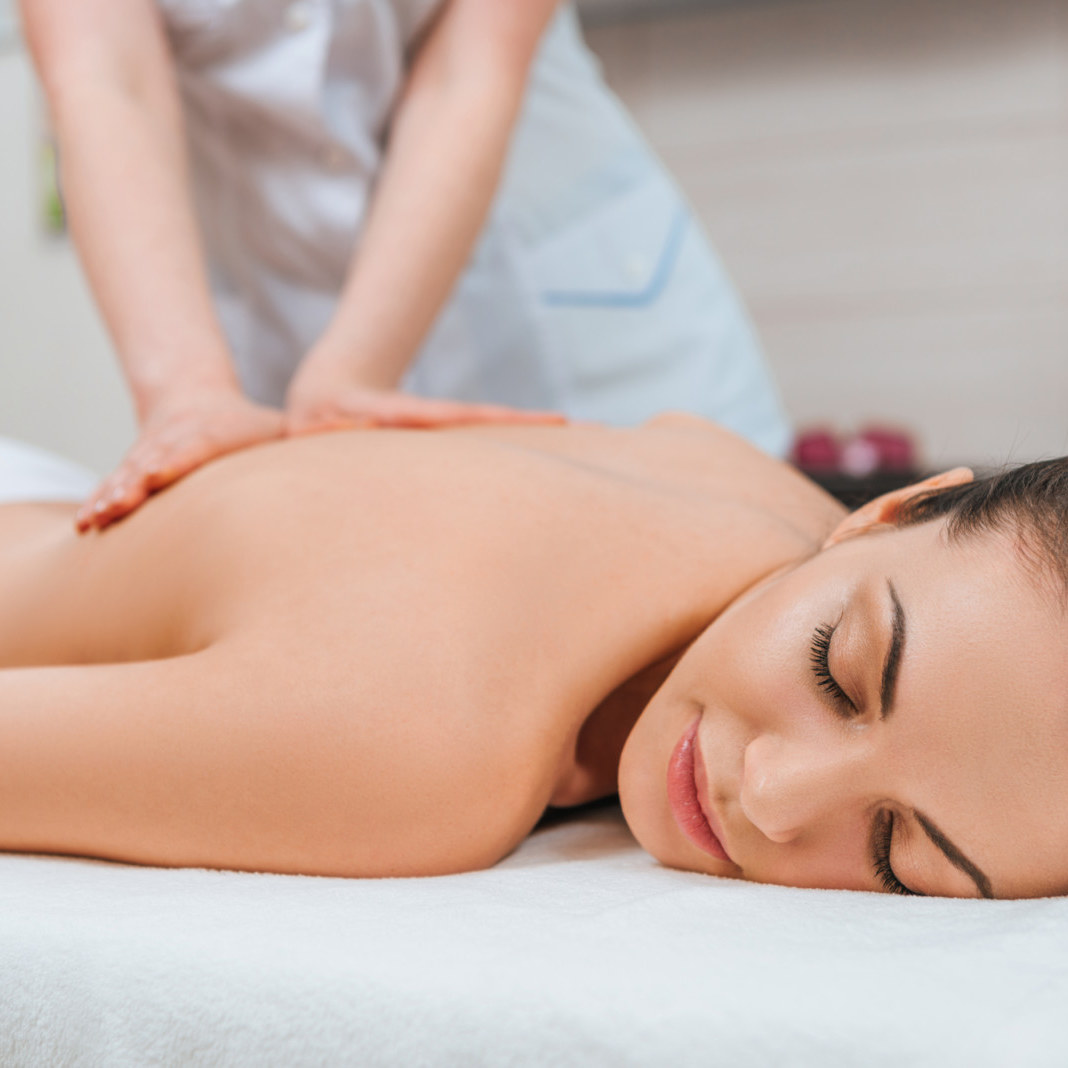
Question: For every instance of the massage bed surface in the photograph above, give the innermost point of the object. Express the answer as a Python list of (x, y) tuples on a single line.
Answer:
[(577, 950)]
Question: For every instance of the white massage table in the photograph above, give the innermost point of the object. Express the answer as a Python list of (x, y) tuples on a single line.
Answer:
[(577, 950)]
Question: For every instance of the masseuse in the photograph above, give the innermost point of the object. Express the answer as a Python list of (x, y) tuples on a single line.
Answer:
[(298, 215)]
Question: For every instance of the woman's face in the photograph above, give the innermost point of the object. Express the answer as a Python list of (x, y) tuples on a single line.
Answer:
[(891, 714)]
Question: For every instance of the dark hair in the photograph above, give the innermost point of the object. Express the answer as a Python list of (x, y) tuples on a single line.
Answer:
[(1030, 501)]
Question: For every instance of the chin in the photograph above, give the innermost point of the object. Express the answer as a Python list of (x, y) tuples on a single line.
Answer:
[(643, 791)]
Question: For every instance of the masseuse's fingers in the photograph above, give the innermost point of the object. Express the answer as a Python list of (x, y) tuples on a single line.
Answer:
[(356, 407), (177, 439), (148, 467)]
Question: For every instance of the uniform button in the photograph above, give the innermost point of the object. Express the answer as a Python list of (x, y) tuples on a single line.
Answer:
[(298, 16)]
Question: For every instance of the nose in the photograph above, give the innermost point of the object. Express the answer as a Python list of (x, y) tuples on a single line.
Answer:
[(789, 785)]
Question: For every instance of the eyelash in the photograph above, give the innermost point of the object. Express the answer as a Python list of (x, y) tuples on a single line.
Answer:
[(821, 668), (883, 871)]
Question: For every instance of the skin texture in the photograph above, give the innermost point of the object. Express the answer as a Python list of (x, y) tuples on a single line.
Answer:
[(369, 653), (797, 783), (111, 88), (387, 653)]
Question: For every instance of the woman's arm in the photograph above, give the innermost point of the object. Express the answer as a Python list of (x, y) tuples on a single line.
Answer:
[(445, 156), (116, 760), (111, 89), (225, 758)]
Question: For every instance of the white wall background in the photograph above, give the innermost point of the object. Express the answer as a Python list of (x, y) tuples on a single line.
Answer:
[(887, 181), (58, 383)]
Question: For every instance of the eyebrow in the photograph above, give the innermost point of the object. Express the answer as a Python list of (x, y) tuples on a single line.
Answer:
[(891, 670), (955, 856), (892, 664)]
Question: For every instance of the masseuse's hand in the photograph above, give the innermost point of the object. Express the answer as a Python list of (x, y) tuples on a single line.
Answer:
[(321, 399), (178, 436)]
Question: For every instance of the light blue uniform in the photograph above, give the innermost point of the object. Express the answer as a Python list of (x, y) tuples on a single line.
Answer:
[(591, 290)]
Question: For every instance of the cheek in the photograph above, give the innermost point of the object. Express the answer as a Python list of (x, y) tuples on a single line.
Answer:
[(835, 860), (751, 665)]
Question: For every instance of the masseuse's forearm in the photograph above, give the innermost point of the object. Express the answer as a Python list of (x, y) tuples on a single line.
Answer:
[(119, 127), (445, 155)]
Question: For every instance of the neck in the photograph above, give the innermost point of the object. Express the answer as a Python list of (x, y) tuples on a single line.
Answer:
[(592, 772)]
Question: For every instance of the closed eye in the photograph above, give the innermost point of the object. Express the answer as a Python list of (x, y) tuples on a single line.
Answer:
[(820, 657), (882, 837)]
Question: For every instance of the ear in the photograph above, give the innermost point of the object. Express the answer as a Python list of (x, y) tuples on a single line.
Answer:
[(883, 510)]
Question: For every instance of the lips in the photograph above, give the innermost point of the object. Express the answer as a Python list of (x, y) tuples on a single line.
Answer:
[(684, 768)]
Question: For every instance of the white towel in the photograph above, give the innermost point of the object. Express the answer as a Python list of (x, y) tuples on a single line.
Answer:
[(577, 950), (31, 474)]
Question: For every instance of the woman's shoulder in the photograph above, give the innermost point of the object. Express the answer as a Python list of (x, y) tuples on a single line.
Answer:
[(713, 459)]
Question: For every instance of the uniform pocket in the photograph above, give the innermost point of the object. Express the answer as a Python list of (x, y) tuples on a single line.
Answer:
[(619, 256), (612, 313), (636, 315)]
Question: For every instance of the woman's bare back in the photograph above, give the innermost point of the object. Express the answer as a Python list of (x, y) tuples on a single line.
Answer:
[(368, 653)]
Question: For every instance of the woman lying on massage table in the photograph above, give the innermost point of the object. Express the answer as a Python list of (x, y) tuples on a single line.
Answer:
[(387, 653)]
